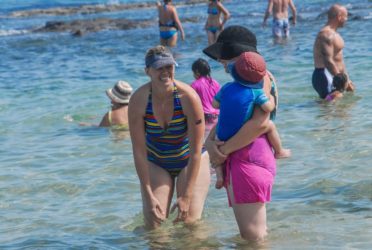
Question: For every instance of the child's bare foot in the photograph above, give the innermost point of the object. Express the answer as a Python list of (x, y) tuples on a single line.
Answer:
[(219, 182), (284, 153), (219, 177)]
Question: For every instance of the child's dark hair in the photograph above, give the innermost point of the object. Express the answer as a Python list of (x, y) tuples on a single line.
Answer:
[(201, 67), (339, 82)]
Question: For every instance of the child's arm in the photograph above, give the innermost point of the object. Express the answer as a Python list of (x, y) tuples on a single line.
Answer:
[(215, 104), (269, 105)]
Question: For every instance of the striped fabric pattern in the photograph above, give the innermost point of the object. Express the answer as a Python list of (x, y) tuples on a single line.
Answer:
[(168, 148)]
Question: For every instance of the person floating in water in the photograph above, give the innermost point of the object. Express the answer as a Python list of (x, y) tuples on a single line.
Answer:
[(169, 24), (279, 9), (214, 24)]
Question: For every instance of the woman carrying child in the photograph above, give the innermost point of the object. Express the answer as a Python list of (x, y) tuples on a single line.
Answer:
[(250, 159)]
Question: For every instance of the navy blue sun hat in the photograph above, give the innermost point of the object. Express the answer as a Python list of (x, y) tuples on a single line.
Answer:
[(159, 60), (232, 41)]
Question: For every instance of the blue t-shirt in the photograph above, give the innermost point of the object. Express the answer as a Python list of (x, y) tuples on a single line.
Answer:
[(236, 106)]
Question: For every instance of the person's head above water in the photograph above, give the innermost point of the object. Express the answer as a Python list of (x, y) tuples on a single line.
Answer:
[(339, 82), (248, 69), (120, 93), (232, 41)]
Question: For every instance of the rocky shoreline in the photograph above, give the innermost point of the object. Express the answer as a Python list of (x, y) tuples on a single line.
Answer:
[(93, 9)]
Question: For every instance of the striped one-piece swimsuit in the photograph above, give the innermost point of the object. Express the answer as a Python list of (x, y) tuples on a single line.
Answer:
[(168, 148)]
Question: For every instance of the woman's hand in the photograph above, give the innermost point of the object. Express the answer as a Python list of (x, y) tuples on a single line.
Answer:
[(215, 155), (183, 205), (155, 210)]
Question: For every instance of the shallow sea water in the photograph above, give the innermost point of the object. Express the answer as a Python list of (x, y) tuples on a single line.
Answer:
[(66, 186)]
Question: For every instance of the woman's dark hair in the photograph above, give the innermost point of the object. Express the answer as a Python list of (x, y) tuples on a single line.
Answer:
[(201, 67), (339, 82)]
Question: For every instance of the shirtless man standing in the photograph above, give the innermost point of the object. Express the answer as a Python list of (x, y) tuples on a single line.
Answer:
[(328, 57), (279, 8)]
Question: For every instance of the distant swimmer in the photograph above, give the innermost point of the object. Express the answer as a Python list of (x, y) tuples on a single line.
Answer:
[(214, 25), (117, 117), (328, 55), (169, 24), (279, 9)]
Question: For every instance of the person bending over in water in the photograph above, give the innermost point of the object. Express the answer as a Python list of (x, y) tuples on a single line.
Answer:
[(339, 85), (169, 24), (240, 96), (166, 124), (214, 24)]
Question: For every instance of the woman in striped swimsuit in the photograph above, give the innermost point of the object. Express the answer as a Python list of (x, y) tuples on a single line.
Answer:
[(166, 123)]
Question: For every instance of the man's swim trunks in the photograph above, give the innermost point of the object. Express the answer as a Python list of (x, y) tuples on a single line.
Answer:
[(280, 27), (322, 82)]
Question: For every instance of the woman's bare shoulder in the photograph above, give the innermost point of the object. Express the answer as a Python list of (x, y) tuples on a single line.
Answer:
[(140, 95), (185, 89)]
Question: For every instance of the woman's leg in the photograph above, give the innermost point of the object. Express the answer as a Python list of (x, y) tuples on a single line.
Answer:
[(251, 218), (162, 185), (172, 42), (211, 37), (200, 189)]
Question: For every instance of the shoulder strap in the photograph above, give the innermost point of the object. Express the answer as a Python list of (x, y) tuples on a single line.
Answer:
[(109, 117)]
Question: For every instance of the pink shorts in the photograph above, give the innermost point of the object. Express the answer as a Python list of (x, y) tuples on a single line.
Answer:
[(252, 170)]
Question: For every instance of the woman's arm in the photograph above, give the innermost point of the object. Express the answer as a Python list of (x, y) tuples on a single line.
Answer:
[(225, 12), (253, 128), (193, 110), (136, 113), (178, 23), (104, 122)]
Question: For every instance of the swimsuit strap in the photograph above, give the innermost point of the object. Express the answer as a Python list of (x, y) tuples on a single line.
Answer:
[(109, 117), (177, 106), (176, 98)]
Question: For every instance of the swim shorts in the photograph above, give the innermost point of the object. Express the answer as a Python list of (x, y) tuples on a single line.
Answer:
[(280, 27), (322, 82), (252, 170)]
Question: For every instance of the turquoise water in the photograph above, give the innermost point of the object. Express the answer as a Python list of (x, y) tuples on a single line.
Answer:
[(65, 186)]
